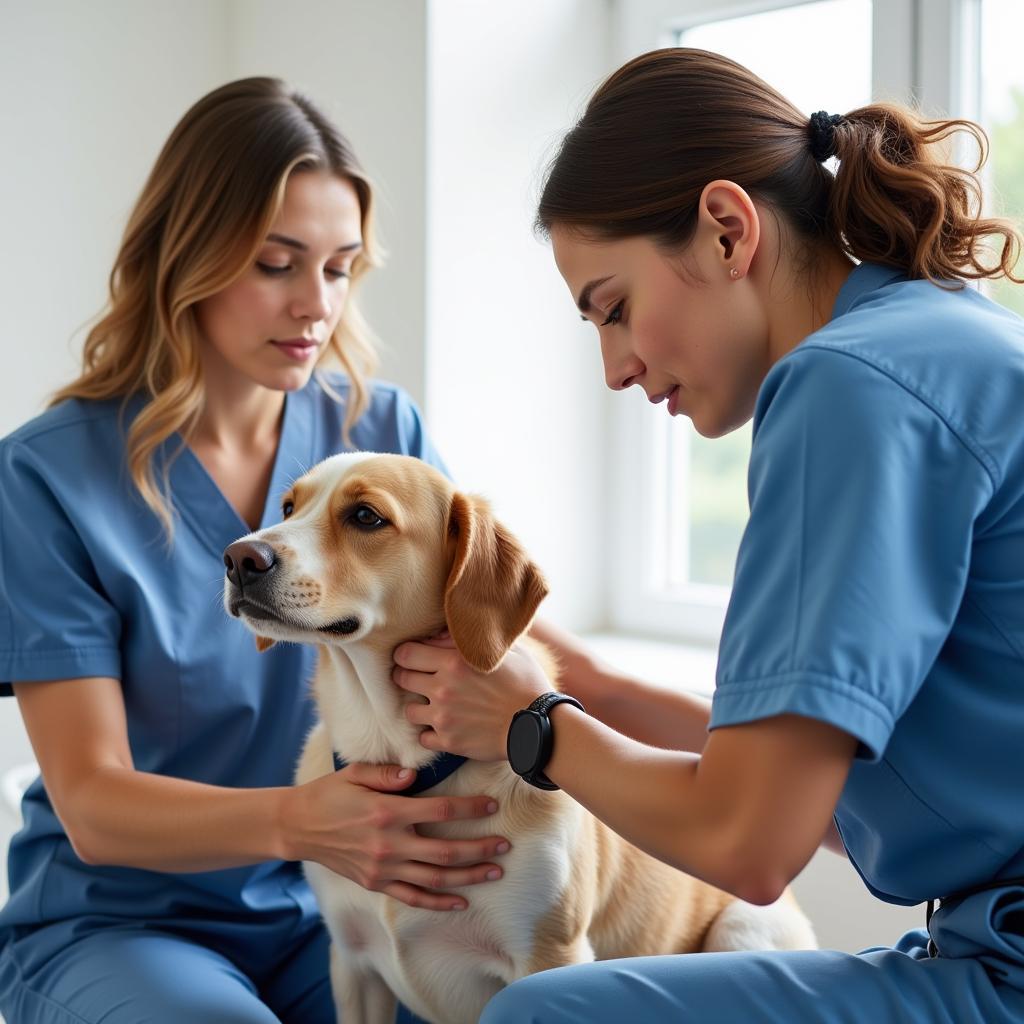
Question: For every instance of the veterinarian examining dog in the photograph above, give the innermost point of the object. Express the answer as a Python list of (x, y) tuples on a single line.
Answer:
[(155, 877), (871, 668)]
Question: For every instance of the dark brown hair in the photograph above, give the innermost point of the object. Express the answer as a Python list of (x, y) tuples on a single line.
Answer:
[(668, 122)]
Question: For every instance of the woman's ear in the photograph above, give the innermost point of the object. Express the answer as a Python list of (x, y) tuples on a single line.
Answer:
[(493, 588), (729, 220)]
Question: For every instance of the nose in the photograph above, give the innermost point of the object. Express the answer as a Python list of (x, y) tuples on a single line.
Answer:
[(248, 561), (620, 369), (311, 300), (622, 384)]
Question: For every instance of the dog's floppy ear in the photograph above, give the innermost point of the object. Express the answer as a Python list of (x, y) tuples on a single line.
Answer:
[(493, 588), (264, 643)]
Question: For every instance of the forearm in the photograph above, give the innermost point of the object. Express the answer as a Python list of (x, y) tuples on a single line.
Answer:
[(653, 715), (655, 799), (746, 816), (136, 819)]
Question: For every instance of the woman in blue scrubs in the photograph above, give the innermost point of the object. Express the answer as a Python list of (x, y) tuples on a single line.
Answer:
[(870, 683), (155, 877)]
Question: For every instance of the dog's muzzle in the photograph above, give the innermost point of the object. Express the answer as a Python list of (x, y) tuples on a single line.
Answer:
[(250, 567)]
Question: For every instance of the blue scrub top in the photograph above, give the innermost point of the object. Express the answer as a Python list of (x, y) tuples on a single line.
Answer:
[(89, 587), (880, 581)]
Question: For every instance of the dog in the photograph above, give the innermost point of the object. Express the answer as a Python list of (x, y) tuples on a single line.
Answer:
[(375, 550)]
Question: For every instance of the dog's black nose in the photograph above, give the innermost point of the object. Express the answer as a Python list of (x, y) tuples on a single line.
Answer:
[(248, 561)]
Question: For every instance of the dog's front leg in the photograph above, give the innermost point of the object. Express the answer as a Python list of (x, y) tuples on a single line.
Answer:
[(360, 996)]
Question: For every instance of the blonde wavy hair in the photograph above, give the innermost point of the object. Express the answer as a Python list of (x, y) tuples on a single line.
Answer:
[(204, 212)]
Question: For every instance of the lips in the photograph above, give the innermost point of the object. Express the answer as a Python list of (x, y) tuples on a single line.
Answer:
[(297, 348), (671, 394)]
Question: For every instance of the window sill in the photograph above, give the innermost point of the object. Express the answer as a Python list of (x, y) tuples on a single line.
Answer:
[(677, 665)]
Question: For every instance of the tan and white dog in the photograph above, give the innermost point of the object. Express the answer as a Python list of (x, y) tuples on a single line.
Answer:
[(379, 549)]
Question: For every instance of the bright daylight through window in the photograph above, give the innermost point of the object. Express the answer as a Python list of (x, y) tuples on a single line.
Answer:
[(707, 492), (1002, 114)]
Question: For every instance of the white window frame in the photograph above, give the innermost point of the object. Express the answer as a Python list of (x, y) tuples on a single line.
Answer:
[(924, 52)]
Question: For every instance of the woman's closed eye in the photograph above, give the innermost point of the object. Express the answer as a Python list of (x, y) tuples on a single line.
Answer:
[(273, 270), (615, 316)]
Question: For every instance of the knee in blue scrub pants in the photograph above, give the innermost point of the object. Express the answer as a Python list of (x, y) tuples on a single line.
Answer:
[(902, 985)]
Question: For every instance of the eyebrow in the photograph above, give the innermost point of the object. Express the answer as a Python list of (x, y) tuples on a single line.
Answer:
[(294, 243), (583, 302)]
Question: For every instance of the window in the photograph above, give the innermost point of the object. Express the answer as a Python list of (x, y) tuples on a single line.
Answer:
[(677, 545), (709, 510), (1002, 114)]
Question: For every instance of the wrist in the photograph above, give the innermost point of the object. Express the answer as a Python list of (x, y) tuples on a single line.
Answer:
[(531, 738), (285, 823)]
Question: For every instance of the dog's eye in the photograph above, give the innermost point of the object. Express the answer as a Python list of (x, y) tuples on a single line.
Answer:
[(287, 509), (366, 519)]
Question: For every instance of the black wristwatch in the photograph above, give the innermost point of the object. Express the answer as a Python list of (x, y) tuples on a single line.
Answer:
[(531, 739)]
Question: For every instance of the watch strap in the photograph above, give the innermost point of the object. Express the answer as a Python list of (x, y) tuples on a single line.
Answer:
[(542, 706), (546, 701)]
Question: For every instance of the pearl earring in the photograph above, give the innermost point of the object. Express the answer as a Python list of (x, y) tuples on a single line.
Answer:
[(734, 273)]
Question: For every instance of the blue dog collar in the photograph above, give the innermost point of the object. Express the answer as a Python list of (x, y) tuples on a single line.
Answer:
[(427, 777)]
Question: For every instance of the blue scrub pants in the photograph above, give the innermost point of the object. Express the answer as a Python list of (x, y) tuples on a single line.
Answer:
[(968, 984), (143, 975)]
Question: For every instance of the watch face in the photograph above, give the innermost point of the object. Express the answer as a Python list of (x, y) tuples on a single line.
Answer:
[(524, 742)]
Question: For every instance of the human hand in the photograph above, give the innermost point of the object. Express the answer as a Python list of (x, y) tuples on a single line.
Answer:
[(468, 712), (353, 823)]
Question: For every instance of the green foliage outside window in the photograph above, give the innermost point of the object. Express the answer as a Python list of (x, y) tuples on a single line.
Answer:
[(1006, 187), (718, 505)]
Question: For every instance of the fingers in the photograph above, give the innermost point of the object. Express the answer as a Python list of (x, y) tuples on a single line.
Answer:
[(415, 682), (414, 897), (440, 854), (430, 740), (429, 876), (421, 657), (443, 639), (423, 884), (423, 715), (419, 714), (383, 777), (425, 810)]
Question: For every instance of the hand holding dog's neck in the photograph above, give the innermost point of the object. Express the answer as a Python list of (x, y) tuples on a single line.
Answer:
[(363, 710)]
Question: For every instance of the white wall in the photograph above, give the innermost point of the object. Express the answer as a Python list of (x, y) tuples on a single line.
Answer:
[(88, 93), (515, 387), (364, 63)]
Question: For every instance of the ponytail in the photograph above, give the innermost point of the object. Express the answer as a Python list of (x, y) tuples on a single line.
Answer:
[(895, 201), (668, 122)]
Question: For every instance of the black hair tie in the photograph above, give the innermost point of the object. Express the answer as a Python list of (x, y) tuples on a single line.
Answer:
[(823, 135)]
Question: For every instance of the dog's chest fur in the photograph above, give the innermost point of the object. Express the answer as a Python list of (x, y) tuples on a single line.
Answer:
[(416, 951)]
